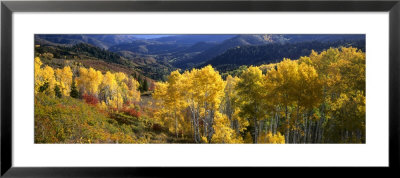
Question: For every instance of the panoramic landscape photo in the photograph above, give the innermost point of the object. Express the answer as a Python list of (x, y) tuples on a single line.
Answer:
[(200, 88)]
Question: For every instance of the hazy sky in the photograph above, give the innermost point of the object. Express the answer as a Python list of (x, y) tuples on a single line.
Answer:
[(150, 36)]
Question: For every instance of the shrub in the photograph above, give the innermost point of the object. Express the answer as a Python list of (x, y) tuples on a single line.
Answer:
[(157, 127), (90, 99), (69, 120), (131, 111)]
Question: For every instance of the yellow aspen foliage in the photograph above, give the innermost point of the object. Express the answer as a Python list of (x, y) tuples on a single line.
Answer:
[(116, 101), (170, 94), (64, 79), (251, 92), (133, 92), (159, 96), (38, 74), (205, 91), (113, 89), (243, 123), (204, 139), (230, 105), (223, 132), (285, 90), (270, 138), (287, 76), (267, 67), (124, 91), (122, 88), (196, 95), (210, 85), (47, 76), (248, 138), (89, 80), (160, 91), (109, 87), (102, 105), (120, 77), (309, 87), (342, 74), (230, 98)]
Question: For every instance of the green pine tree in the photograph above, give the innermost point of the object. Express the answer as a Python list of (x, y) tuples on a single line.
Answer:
[(57, 91), (145, 85), (44, 87), (74, 92)]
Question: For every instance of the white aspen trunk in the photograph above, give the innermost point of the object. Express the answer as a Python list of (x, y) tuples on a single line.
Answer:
[(287, 128), (204, 127), (191, 126), (255, 131), (276, 123), (298, 136), (296, 124), (309, 131), (198, 128), (210, 124), (260, 126), (318, 131), (321, 134), (265, 138), (305, 130), (176, 124), (194, 127), (295, 132), (321, 139), (195, 124), (315, 134), (271, 124)]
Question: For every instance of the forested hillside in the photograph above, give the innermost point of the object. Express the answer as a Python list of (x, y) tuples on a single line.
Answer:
[(274, 52), (101, 59)]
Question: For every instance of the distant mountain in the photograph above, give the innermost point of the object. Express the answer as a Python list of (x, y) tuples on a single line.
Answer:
[(198, 47), (150, 47), (171, 45), (274, 52), (258, 39), (239, 40), (295, 38), (101, 41), (193, 39), (111, 40)]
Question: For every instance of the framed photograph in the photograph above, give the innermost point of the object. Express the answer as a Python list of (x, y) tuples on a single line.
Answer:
[(112, 89)]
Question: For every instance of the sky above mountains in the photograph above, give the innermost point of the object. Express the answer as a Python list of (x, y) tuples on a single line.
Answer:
[(150, 36)]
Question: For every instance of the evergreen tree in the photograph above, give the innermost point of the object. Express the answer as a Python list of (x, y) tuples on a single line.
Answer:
[(74, 92), (145, 85), (44, 87), (57, 91)]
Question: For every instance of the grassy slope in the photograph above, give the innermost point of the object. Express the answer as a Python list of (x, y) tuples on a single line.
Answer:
[(69, 120)]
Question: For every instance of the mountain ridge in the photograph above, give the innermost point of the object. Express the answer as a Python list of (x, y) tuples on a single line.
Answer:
[(188, 51)]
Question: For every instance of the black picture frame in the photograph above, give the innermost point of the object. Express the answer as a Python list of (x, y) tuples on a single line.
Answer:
[(8, 7)]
